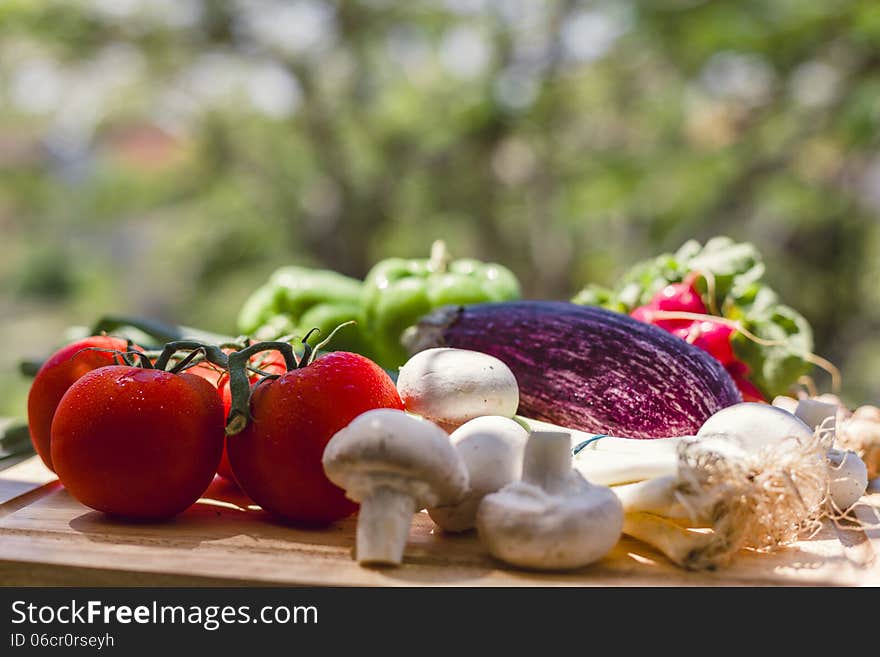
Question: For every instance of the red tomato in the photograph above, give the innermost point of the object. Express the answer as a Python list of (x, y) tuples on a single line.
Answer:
[(56, 375), (271, 362), (137, 443), (220, 380), (209, 372), (277, 457)]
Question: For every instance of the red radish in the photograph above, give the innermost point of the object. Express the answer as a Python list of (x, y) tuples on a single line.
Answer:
[(738, 372), (643, 314), (675, 297), (647, 315), (684, 332), (678, 297), (714, 337)]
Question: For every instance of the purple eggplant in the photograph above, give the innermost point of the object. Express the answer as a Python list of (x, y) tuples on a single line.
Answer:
[(588, 368)]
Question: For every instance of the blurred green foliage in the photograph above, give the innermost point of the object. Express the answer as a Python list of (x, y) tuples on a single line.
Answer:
[(164, 157)]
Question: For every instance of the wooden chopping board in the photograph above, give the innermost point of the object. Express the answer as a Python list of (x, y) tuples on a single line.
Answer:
[(48, 538)]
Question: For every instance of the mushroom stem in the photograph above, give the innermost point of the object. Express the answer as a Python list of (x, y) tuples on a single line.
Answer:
[(383, 526), (547, 460)]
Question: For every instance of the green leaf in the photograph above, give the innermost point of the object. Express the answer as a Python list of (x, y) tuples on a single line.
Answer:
[(774, 368), (595, 295), (737, 270)]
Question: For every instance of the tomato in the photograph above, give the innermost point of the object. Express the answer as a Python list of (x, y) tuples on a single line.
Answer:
[(224, 469), (271, 362), (276, 458), (55, 376), (209, 372), (141, 444), (220, 380)]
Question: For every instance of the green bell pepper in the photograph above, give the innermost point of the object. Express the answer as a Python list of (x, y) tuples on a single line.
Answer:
[(297, 299), (398, 291)]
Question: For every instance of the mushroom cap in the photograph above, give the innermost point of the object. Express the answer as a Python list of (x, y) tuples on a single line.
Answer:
[(451, 386), (491, 448), (388, 447), (524, 525)]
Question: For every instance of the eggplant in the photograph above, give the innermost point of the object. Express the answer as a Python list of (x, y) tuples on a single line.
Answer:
[(588, 368)]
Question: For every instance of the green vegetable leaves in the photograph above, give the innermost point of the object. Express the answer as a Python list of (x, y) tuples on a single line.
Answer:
[(730, 273), (775, 367)]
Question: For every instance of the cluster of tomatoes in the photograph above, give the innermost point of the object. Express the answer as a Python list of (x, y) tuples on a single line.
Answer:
[(140, 439), (710, 335)]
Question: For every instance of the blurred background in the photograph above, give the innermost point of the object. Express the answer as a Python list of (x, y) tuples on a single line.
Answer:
[(162, 157)]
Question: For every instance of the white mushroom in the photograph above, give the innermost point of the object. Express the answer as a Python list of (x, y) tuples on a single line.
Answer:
[(394, 464), (554, 518), (492, 450), (451, 386)]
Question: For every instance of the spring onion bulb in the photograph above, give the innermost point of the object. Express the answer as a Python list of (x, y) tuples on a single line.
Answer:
[(757, 478)]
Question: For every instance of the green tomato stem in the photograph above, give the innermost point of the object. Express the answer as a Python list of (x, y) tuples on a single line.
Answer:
[(212, 353), (240, 384), (239, 366), (314, 352), (122, 357)]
